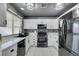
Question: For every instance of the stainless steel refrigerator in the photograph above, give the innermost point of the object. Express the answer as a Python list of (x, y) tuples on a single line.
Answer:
[(75, 43)]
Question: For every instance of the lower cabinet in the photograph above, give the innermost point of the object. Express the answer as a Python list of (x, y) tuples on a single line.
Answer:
[(11, 51), (33, 39), (27, 44), (53, 39)]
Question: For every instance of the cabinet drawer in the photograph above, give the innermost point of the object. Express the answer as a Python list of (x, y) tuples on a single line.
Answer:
[(11, 51)]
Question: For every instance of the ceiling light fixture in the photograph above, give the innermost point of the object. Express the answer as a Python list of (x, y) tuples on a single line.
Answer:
[(31, 6), (59, 6), (22, 8)]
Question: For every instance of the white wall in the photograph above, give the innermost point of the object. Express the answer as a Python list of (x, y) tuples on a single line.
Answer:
[(32, 23)]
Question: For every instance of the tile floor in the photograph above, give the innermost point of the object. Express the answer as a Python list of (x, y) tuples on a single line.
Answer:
[(45, 51), (50, 51), (63, 52)]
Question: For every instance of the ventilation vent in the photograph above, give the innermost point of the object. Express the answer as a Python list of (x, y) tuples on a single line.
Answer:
[(44, 5)]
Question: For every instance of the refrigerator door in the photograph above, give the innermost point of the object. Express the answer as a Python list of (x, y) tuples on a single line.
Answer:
[(75, 43), (76, 27), (0, 45)]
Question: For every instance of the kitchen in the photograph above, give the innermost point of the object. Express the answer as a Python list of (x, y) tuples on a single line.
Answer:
[(32, 29)]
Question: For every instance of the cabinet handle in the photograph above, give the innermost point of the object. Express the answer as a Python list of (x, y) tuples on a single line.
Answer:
[(12, 50), (56, 41), (5, 22)]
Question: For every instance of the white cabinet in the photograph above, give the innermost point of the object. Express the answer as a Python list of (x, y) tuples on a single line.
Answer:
[(30, 24), (2, 15), (27, 44), (8, 29), (53, 39), (13, 25), (11, 51), (75, 13), (52, 24), (33, 39)]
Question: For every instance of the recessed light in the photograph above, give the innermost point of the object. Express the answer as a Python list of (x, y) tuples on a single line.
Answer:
[(22, 8), (59, 6)]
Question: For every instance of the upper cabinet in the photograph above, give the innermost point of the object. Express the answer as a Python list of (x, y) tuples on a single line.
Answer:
[(76, 13), (3, 21), (10, 21), (8, 29), (32, 23)]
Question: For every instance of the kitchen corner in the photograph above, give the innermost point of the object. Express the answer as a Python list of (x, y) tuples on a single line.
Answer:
[(10, 43)]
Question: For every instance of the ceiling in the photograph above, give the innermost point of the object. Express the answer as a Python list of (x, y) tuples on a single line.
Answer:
[(42, 9)]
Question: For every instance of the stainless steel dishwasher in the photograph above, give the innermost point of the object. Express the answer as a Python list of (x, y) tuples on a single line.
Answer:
[(21, 48)]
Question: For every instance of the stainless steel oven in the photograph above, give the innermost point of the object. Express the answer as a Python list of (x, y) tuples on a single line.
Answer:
[(42, 35)]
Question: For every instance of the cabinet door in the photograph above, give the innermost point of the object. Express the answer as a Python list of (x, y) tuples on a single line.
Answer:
[(52, 24), (33, 39), (8, 29), (27, 44), (53, 39), (11, 51), (75, 13), (2, 15), (31, 35)]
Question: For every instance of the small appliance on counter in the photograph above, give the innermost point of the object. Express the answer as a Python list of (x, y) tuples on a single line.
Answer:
[(22, 35)]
